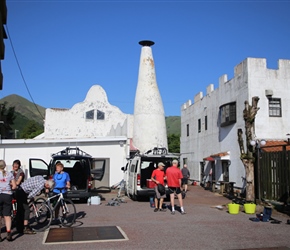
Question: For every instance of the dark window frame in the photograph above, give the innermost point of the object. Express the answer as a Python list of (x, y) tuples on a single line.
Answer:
[(100, 115), (90, 115), (275, 107), (228, 114), (205, 122), (187, 129), (199, 125)]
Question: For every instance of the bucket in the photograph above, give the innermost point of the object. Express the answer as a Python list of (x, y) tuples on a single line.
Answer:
[(250, 208), (234, 208), (95, 200)]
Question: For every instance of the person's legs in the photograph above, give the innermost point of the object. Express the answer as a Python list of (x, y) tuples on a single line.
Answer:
[(179, 196), (156, 204), (160, 203), (172, 202), (8, 227), (6, 212)]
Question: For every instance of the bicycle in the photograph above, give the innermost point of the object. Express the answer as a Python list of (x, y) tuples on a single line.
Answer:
[(68, 213), (40, 214)]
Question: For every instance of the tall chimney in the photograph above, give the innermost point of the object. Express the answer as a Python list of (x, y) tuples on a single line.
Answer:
[(149, 119)]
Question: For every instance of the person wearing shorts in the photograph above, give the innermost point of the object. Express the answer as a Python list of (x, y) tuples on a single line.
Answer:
[(174, 177), (7, 183), (186, 174), (158, 177)]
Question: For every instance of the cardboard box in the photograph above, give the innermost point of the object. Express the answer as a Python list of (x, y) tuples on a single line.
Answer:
[(150, 183)]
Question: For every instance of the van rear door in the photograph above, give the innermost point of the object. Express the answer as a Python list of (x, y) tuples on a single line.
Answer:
[(132, 177), (38, 167)]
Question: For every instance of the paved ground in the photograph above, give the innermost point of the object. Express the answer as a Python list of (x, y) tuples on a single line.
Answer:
[(203, 227)]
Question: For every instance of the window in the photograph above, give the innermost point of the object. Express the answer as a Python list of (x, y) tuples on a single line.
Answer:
[(187, 129), (205, 122), (199, 125), (275, 107), (100, 115), (90, 115), (228, 114)]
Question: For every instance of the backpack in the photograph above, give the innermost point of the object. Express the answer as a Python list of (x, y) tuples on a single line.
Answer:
[(161, 189)]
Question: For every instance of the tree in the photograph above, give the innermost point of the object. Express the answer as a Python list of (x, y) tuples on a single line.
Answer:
[(173, 143), (31, 130), (7, 117), (247, 158)]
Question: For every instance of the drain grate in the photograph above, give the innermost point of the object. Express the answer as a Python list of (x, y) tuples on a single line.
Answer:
[(84, 234)]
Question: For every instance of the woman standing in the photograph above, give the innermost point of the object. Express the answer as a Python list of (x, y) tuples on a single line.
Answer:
[(18, 172), (7, 183)]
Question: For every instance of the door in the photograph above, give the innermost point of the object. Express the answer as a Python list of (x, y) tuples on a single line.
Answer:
[(38, 167), (132, 176), (100, 172)]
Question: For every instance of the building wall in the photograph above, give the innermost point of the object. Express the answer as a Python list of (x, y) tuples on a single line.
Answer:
[(251, 78), (114, 149)]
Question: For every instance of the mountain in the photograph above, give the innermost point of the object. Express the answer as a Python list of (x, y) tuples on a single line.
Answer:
[(24, 111), (173, 125)]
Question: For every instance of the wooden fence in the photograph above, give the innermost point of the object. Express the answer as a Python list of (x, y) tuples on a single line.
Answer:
[(274, 175)]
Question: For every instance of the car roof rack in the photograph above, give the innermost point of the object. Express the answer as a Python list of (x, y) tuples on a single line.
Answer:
[(71, 151)]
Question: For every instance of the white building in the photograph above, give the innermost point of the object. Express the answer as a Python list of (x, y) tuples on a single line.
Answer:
[(94, 125), (209, 124)]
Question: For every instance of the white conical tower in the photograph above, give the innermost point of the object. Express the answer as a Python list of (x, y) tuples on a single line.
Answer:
[(149, 119)]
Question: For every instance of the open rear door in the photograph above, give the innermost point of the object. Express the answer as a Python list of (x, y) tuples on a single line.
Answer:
[(98, 169), (38, 167)]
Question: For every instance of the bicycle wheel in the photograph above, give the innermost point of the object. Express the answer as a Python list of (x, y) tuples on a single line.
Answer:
[(40, 200), (40, 216), (68, 213)]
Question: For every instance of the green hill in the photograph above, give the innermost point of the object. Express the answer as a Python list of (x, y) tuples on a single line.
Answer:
[(24, 111), (173, 125)]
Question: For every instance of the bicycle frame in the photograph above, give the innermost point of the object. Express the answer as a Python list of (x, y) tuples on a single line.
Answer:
[(58, 202)]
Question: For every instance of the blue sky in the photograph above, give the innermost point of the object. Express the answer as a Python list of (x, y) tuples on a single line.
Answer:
[(65, 47)]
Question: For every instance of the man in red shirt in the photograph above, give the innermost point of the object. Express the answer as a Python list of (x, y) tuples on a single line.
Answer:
[(158, 177), (174, 177)]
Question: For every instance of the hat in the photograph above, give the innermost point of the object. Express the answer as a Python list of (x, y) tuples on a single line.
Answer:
[(161, 164)]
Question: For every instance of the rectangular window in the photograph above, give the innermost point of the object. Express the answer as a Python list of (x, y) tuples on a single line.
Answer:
[(228, 114), (199, 125), (275, 107), (90, 115), (187, 129), (100, 115), (205, 122)]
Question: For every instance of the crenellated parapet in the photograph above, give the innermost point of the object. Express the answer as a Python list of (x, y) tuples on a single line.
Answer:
[(250, 68)]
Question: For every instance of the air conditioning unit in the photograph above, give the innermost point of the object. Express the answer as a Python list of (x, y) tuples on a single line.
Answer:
[(269, 92)]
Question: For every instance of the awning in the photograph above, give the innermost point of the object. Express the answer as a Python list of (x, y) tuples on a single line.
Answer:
[(219, 156), (275, 146), (208, 159)]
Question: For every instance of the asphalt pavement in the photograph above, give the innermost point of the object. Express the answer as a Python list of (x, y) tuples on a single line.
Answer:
[(205, 226)]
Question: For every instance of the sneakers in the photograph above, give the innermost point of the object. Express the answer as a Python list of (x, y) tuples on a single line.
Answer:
[(182, 212), (9, 236), (156, 209), (172, 212), (28, 230), (162, 210)]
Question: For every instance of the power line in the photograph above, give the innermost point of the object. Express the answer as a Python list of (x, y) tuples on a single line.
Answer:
[(20, 70)]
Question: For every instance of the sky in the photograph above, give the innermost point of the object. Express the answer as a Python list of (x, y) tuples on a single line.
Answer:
[(57, 49)]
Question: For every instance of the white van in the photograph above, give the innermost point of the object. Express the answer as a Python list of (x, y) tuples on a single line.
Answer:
[(140, 168)]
